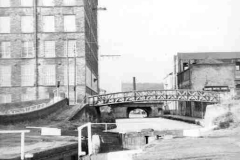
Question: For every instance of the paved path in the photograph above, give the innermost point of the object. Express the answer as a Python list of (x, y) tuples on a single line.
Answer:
[(137, 124), (218, 145)]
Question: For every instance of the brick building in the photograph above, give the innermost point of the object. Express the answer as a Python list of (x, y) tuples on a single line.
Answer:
[(46, 42), (214, 71)]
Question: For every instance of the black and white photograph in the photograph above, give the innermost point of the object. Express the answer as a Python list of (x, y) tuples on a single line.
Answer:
[(119, 80)]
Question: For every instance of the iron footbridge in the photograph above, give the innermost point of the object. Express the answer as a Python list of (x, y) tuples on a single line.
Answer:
[(153, 95)]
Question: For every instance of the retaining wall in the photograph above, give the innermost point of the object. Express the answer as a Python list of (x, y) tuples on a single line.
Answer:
[(87, 114), (7, 106), (6, 119)]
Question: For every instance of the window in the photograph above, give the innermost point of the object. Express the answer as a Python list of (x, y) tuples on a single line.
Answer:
[(5, 98), (49, 48), (69, 2), (69, 48), (27, 49), (28, 3), (237, 66), (69, 23), (47, 2), (69, 72), (5, 50), (185, 66), (4, 24), (49, 75), (27, 97), (48, 24), (5, 75), (238, 86), (43, 93), (4, 3), (27, 24), (27, 75)]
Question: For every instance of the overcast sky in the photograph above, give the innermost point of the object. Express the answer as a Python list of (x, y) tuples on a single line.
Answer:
[(148, 33)]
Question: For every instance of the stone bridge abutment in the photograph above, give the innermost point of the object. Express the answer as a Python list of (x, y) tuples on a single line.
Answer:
[(123, 110)]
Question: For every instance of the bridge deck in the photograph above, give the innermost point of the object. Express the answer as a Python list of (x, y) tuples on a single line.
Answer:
[(154, 95)]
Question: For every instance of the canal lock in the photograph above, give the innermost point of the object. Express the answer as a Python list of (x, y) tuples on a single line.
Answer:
[(108, 141)]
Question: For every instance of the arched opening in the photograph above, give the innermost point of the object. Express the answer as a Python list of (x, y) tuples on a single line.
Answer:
[(137, 113)]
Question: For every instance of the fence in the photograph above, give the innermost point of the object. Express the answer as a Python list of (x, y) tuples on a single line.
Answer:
[(22, 139)]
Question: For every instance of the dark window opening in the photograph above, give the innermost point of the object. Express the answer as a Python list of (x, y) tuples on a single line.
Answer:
[(185, 66), (237, 66), (238, 86), (146, 139)]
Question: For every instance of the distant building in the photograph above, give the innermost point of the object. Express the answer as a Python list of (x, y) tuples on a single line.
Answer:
[(48, 42), (102, 91), (209, 71), (169, 106), (168, 81), (142, 86)]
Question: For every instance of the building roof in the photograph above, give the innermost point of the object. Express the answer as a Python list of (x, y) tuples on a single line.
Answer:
[(209, 60), (209, 55)]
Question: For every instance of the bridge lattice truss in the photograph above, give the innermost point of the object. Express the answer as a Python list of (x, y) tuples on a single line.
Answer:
[(154, 95)]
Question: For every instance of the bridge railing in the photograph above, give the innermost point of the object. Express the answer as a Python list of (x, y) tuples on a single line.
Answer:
[(154, 95)]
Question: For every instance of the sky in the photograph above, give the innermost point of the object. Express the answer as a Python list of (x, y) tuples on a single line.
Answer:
[(148, 33)]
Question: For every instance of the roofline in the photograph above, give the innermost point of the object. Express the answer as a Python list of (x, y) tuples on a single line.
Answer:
[(204, 55)]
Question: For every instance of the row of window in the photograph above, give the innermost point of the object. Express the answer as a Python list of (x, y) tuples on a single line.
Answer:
[(186, 66), (30, 3), (48, 24), (7, 98), (48, 49), (47, 75)]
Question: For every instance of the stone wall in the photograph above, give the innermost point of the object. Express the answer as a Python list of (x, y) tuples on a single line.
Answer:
[(87, 114), (9, 106), (123, 110), (34, 115), (212, 75)]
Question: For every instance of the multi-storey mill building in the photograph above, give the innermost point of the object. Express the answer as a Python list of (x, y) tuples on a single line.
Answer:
[(46, 42)]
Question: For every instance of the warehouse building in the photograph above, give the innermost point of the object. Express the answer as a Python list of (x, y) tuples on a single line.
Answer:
[(45, 44)]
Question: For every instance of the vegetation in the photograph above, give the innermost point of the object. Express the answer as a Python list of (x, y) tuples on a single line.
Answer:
[(225, 120)]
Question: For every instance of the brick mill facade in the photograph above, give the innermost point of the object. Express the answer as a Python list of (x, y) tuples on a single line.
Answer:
[(44, 43)]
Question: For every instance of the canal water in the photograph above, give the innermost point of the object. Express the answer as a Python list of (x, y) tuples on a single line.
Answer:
[(138, 124)]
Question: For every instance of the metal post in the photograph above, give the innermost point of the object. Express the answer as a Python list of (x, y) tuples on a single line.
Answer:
[(106, 127), (89, 139), (202, 110), (36, 45), (22, 145), (67, 72), (75, 75), (79, 143)]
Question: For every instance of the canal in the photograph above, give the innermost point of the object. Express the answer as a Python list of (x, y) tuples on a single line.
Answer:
[(138, 124)]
